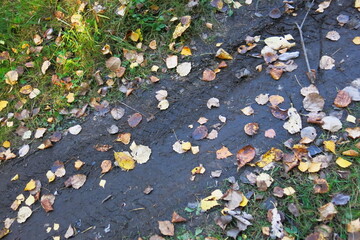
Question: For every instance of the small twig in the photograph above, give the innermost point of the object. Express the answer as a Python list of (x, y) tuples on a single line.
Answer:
[(303, 47), (335, 52), (175, 134), (89, 228), (307, 13), (132, 108)]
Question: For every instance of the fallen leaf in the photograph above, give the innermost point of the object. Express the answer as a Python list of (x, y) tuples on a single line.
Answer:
[(327, 63), (200, 132), (75, 130), (351, 153), (234, 199), (76, 181), (356, 40), (277, 228), (342, 99), (153, 45), (262, 99), (313, 102), (270, 133), (245, 155), (333, 35), (354, 133), (106, 166), (294, 124), (102, 147), (327, 211), (117, 113), (332, 124), (208, 203), (340, 199), (113, 63), (27, 89), (161, 95), (272, 155), (322, 6), (140, 153), (198, 170), (321, 186), (124, 161), (124, 138), (30, 185), (24, 150), (176, 218), (248, 110), (202, 120), (308, 134), (46, 64), (3, 104), (134, 120), (40, 132), (251, 129), (276, 100), (14, 178), (23, 214), (70, 232), (216, 173), (163, 104), (177, 147), (278, 192), (183, 69), (3, 232), (102, 183), (223, 221), (310, 89), (213, 102), (263, 181), (353, 226), (186, 51), (279, 113), (166, 228), (343, 163), (208, 75), (222, 54), (11, 77), (58, 169), (156, 237), (223, 153), (184, 24), (195, 149), (47, 202), (277, 43), (171, 61)]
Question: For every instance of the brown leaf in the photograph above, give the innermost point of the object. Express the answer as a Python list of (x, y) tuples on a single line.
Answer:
[(270, 133), (113, 63), (276, 73), (200, 132), (321, 186), (156, 237), (251, 128), (176, 218), (279, 113), (134, 120), (102, 147), (124, 138), (343, 99), (223, 153), (106, 166), (245, 155), (76, 181), (354, 133), (315, 236), (313, 102), (223, 221), (47, 202), (327, 212), (276, 99), (234, 198), (208, 75), (166, 228), (278, 192)]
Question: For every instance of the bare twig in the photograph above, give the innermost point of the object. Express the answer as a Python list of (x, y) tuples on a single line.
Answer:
[(303, 46), (132, 108), (298, 81)]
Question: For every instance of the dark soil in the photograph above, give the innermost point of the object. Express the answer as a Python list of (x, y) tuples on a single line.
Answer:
[(129, 212)]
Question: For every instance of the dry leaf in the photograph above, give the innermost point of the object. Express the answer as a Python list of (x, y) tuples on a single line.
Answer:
[(354, 133), (322, 6), (343, 163), (251, 129), (153, 44), (141, 154), (277, 43), (47, 202), (222, 54), (198, 170), (117, 113), (356, 40), (46, 64), (342, 99), (166, 228), (248, 110), (27, 89), (134, 120), (50, 176), (277, 228), (124, 138), (40, 132), (333, 36), (200, 132), (353, 226), (276, 100), (327, 63), (310, 89), (75, 130), (245, 155), (124, 160), (184, 24), (113, 63), (30, 185), (102, 147), (171, 61), (294, 124), (202, 120), (263, 181), (183, 69), (76, 181), (161, 95), (321, 186), (270, 133), (11, 77), (213, 102), (106, 166), (262, 99), (186, 51), (24, 150), (163, 104), (313, 102), (3, 104), (308, 135), (176, 218), (327, 211), (23, 214), (234, 199), (102, 183), (69, 232), (212, 135), (177, 147), (223, 153), (208, 75), (331, 124)]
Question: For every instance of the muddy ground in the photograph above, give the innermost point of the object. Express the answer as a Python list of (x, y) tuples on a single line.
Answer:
[(129, 212)]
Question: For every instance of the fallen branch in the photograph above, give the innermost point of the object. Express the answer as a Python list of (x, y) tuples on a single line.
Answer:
[(311, 73)]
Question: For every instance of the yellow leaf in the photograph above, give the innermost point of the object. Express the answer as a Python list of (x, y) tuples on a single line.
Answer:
[(6, 144), (356, 40), (289, 191), (330, 146), (357, 3), (304, 166), (186, 146), (186, 51), (27, 89), (273, 154), (50, 176), (30, 185), (153, 44), (102, 183), (222, 54), (124, 161), (343, 163), (14, 178), (134, 36), (70, 97), (217, 194), (198, 170), (11, 77), (182, 26), (314, 167), (3, 104), (244, 201), (208, 203)]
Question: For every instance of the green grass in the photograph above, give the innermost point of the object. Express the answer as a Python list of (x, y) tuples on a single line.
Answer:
[(76, 51)]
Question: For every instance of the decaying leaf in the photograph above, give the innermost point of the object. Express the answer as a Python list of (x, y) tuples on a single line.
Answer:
[(310, 89), (340, 199), (213, 102), (23, 214), (333, 36), (75, 130), (272, 155), (233, 198), (184, 24), (102, 147), (117, 113), (176, 218), (141, 154), (263, 181), (354, 133), (245, 155), (46, 64), (223, 221), (277, 43), (279, 113), (322, 6), (198, 170), (171, 61), (223, 153), (353, 226), (277, 228), (76, 181), (343, 99), (24, 150), (314, 102), (327, 63), (124, 138), (166, 228), (200, 132), (276, 100), (178, 147), (208, 75), (270, 133), (222, 54), (327, 211), (124, 160), (294, 124), (262, 99), (134, 120), (248, 110), (321, 186), (47, 202), (163, 104), (308, 134), (11, 77), (113, 63), (106, 166), (69, 232), (251, 129)]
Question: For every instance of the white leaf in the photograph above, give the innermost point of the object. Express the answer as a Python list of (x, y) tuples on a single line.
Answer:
[(24, 150), (163, 104), (213, 102), (23, 214), (327, 62), (294, 124), (161, 95), (331, 124), (140, 153), (46, 64), (75, 130), (171, 61), (184, 69)]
